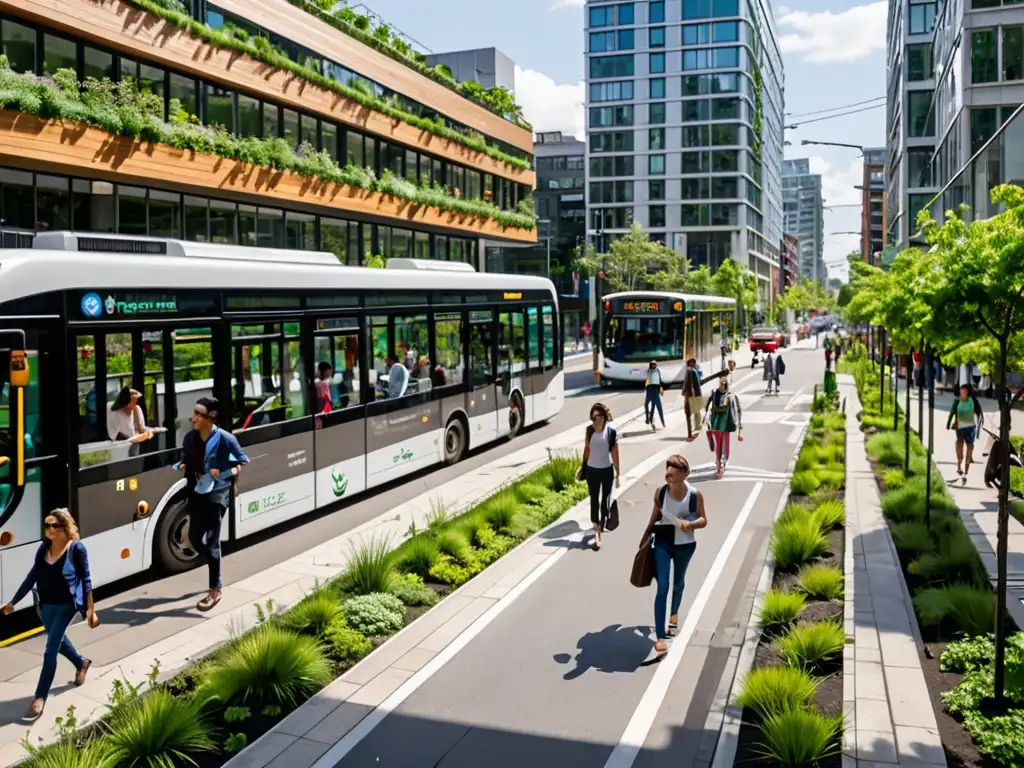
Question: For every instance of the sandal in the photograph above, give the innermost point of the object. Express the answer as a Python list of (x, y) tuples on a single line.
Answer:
[(208, 603), (661, 647), (34, 711), (673, 628), (82, 672)]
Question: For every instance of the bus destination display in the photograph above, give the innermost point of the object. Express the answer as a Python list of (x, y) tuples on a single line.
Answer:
[(640, 306)]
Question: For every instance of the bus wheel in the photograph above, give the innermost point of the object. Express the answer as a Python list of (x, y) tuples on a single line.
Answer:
[(516, 415), (173, 548), (454, 441)]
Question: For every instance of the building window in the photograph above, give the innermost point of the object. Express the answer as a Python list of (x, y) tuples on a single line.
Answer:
[(720, 8), (621, 40), (656, 113), (604, 117), (983, 126), (1013, 53), (625, 14), (919, 62), (918, 203), (611, 66), (922, 18), (657, 63), (621, 90), (725, 32), (694, 189), (694, 215), (18, 44), (620, 141), (711, 58), (696, 136), (58, 53), (656, 37), (656, 11), (657, 89), (656, 189), (919, 167), (984, 68), (656, 138), (656, 216), (725, 109), (695, 109), (656, 165), (724, 187), (724, 215), (920, 117)]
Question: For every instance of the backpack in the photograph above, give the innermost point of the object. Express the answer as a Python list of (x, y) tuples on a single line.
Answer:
[(693, 499), (780, 366), (612, 436)]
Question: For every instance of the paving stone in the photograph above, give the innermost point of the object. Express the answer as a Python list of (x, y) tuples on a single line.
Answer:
[(455, 626), (342, 720), (263, 751), (866, 637), (907, 691), (302, 754), (876, 746), (312, 712), (383, 685), (899, 650), (920, 744), (869, 654), (414, 660), (871, 716), (870, 680)]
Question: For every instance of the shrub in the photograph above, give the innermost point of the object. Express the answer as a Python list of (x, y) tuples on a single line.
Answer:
[(347, 645), (903, 505), (955, 560), (411, 590), (158, 729), (829, 515), (796, 543), (497, 547), (894, 478), (418, 555), (772, 690), (970, 609), (530, 492), (438, 515), (447, 571), (314, 614), (912, 538), (780, 608), (793, 513), (809, 458), (375, 614), (456, 544), (830, 479), (971, 653), (269, 665), (501, 510), (561, 470), (887, 448), (92, 753), (808, 646), (371, 568), (822, 582), (805, 483), (800, 737)]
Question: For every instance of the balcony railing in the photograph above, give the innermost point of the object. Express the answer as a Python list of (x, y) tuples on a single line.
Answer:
[(999, 161)]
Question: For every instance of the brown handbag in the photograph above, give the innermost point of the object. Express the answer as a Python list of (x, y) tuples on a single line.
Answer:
[(643, 563)]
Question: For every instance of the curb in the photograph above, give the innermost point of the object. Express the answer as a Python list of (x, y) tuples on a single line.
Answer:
[(726, 717)]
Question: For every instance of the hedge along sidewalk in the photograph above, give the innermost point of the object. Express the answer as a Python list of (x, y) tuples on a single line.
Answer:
[(977, 503), (724, 712), (343, 713), (284, 584), (885, 696)]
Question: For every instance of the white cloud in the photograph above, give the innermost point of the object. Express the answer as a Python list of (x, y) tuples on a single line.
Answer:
[(837, 189), (837, 185), (559, 4), (825, 36), (550, 106)]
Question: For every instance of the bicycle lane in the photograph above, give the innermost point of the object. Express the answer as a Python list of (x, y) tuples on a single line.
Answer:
[(566, 673)]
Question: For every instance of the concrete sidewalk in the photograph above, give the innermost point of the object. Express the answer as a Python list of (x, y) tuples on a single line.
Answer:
[(978, 504), (883, 682)]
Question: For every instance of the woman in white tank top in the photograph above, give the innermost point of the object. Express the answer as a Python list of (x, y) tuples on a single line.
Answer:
[(678, 512), (600, 466)]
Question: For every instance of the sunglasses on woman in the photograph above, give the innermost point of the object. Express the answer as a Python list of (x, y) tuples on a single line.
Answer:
[(52, 526)]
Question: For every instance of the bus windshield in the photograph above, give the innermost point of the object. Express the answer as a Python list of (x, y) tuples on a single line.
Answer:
[(642, 339)]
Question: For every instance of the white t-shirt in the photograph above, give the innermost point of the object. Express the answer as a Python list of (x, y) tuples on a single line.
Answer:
[(673, 510), (122, 421)]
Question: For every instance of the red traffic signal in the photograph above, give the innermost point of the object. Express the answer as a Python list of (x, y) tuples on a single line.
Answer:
[(601, 274)]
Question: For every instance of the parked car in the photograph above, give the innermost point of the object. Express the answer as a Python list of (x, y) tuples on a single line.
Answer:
[(765, 338)]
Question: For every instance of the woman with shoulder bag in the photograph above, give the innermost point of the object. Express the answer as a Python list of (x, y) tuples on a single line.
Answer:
[(63, 587), (678, 511), (600, 466)]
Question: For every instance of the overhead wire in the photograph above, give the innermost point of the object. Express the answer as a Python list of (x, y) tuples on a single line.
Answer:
[(832, 117), (834, 109)]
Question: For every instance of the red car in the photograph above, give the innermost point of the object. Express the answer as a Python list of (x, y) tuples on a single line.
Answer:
[(766, 339)]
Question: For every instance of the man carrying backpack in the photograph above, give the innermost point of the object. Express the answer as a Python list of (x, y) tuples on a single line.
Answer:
[(966, 417)]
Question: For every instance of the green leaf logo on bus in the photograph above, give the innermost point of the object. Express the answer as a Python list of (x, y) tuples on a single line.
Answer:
[(403, 455), (254, 507), (340, 483)]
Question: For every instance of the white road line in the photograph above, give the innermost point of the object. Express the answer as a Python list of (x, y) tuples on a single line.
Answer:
[(794, 435), (792, 400), (632, 741), (341, 749)]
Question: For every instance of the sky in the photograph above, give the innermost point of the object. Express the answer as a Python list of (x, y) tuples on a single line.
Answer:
[(833, 55)]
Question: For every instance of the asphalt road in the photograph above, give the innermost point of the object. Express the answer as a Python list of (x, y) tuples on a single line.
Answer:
[(566, 675)]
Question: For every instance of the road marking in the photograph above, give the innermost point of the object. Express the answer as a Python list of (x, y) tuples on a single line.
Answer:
[(793, 399), (341, 749), (19, 638), (794, 435), (633, 738)]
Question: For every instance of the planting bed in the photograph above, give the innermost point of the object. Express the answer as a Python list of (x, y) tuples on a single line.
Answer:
[(792, 698), (215, 708), (952, 597)]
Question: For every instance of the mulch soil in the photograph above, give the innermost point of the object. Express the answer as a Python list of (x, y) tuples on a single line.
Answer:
[(829, 697)]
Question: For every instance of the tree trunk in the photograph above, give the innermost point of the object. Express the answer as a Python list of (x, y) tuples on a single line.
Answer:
[(881, 375), (931, 439), (1003, 526), (906, 416), (920, 395)]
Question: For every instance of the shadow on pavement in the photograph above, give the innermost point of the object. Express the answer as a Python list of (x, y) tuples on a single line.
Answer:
[(615, 649)]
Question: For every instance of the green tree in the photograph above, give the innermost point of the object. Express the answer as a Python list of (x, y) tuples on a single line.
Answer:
[(699, 281), (981, 293), (636, 262), (844, 295), (733, 281)]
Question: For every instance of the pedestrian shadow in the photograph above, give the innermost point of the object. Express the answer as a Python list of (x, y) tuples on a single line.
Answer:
[(614, 650)]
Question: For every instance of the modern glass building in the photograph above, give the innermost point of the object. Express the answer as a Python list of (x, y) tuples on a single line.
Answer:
[(804, 212), (684, 128), (454, 169)]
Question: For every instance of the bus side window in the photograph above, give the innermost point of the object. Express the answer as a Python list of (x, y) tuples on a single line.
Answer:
[(449, 366), (89, 430), (480, 338), (267, 383), (336, 355), (412, 348), (550, 340), (193, 375)]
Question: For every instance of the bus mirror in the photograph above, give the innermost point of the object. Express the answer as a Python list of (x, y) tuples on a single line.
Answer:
[(19, 368)]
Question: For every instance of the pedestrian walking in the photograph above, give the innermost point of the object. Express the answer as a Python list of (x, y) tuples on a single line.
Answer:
[(693, 401), (966, 417), (653, 390), (769, 372), (62, 586), (780, 371), (600, 466), (212, 460), (723, 416), (678, 511)]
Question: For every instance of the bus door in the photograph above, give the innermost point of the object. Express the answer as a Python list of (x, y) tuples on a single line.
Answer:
[(33, 473), (271, 417), (484, 385), (513, 390)]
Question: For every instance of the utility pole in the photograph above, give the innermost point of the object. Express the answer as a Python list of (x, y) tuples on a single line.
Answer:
[(596, 331)]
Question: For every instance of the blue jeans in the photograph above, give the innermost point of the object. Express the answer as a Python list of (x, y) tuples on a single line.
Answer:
[(669, 556), (652, 400), (206, 516), (55, 621)]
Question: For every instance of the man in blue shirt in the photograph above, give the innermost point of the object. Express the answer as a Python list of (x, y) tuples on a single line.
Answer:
[(211, 458)]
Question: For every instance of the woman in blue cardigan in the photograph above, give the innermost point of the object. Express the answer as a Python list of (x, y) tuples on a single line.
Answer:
[(63, 587)]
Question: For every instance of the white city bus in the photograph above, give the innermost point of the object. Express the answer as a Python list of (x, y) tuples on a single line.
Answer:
[(423, 361), (641, 326)]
